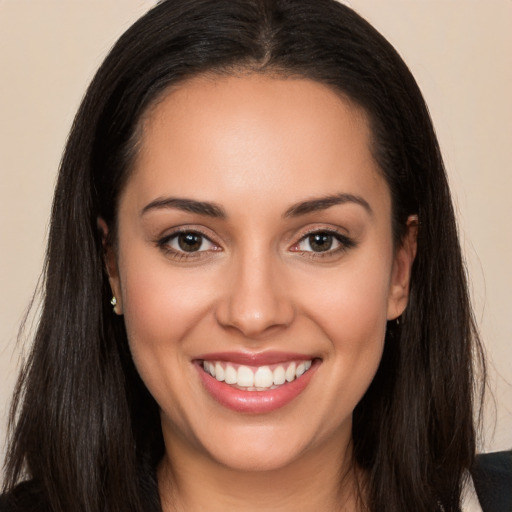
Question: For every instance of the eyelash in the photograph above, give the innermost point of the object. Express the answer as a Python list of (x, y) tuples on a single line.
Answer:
[(345, 243), (164, 245)]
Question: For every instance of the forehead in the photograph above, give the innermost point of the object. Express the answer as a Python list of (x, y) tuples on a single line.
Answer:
[(252, 135)]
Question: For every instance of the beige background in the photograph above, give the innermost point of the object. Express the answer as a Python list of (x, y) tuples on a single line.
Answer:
[(459, 50)]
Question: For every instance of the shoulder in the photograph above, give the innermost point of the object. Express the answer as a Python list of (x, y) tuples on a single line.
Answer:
[(25, 497), (492, 478)]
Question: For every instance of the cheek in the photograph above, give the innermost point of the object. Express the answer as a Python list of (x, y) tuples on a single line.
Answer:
[(352, 301), (161, 305), (157, 294), (351, 310)]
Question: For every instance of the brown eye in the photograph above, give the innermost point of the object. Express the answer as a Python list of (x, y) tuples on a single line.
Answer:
[(187, 246), (190, 242), (323, 243), (320, 242)]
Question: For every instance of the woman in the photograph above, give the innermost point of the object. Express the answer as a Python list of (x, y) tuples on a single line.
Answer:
[(253, 279)]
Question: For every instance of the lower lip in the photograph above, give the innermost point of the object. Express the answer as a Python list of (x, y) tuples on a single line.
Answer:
[(255, 402)]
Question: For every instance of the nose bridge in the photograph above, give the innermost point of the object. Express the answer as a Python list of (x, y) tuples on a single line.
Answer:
[(256, 298)]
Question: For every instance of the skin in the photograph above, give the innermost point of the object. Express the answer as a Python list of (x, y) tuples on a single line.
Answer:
[(255, 146)]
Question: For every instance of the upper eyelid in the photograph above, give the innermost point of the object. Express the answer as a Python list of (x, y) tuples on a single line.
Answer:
[(312, 231), (322, 226), (322, 229), (185, 229)]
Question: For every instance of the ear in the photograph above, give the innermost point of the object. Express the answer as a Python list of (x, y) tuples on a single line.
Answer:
[(111, 267), (401, 273)]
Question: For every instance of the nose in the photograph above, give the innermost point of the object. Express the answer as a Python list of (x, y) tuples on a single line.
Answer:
[(255, 301)]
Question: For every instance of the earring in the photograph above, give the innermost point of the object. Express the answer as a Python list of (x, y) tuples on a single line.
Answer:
[(113, 301)]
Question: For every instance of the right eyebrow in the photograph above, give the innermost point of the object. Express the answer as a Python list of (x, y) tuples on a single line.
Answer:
[(187, 205), (323, 203)]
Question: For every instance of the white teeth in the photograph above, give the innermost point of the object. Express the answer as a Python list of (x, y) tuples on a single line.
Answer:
[(279, 376), (300, 370), (245, 377), (230, 375), (219, 372), (261, 378), (290, 372)]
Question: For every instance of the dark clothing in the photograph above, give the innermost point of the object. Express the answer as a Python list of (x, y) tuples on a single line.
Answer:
[(492, 477)]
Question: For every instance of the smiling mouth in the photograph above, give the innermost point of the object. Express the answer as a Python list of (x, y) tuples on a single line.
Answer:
[(256, 378)]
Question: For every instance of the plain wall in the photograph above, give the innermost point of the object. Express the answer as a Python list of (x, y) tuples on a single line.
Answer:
[(460, 52)]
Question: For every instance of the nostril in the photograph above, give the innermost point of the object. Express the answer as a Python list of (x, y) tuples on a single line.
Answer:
[(253, 323)]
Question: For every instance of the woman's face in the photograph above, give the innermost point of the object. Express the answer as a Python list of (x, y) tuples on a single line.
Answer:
[(255, 243)]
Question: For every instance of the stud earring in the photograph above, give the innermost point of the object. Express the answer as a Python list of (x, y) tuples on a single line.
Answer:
[(113, 301)]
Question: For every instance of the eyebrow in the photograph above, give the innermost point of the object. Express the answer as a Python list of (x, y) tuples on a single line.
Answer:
[(214, 210), (323, 203), (187, 205)]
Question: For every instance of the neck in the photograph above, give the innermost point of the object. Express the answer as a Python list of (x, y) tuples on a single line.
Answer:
[(323, 479)]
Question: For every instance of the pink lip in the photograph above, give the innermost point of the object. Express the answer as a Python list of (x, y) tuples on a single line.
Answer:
[(255, 402)]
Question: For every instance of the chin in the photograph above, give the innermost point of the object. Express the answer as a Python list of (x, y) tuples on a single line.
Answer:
[(257, 448), (245, 459)]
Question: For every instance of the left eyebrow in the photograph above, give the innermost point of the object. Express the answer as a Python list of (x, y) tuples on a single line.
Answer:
[(323, 203), (187, 205)]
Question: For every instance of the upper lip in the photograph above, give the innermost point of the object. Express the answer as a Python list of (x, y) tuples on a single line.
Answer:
[(255, 359)]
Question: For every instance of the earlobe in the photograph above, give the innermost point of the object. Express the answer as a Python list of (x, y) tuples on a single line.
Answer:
[(401, 273), (110, 261)]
